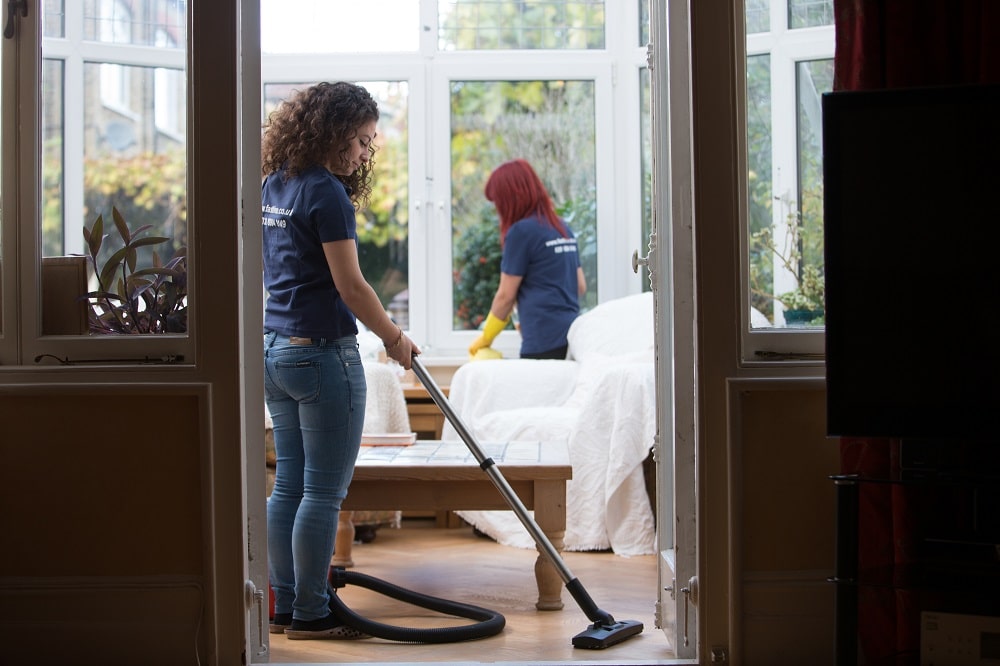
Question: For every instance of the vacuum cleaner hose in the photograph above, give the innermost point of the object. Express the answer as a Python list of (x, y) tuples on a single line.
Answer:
[(488, 622)]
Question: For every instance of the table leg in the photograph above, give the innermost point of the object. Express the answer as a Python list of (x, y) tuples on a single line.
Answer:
[(550, 514), (344, 541)]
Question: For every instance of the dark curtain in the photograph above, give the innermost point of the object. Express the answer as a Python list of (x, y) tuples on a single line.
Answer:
[(909, 43), (901, 44)]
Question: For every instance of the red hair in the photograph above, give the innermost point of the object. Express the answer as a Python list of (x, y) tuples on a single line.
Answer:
[(517, 192)]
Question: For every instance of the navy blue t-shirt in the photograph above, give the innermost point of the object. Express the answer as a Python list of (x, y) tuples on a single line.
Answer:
[(547, 300), (299, 215)]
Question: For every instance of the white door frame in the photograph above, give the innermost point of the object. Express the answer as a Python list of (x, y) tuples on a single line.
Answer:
[(257, 647)]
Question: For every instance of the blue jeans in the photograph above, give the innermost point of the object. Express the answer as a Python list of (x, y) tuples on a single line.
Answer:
[(315, 391)]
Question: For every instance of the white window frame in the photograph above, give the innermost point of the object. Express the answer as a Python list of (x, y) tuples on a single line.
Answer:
[(787, 48), (615, 71), (512, 67)]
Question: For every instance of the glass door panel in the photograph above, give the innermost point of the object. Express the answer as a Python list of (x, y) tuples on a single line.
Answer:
[(786, 226), (114, 149), (789, 65)]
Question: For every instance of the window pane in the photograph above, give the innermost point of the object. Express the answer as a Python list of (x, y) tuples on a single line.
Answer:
[(53, 241), (520, 24), (760, 188), (322, 26), (786, 232), (548, 123), (54, 19), (784, 276), (128, 163), (120, 22), (758, 14), (133, 167), (646, 138), (383, 227), (643, 22), (813, 78), (114, 150), (168, 105), (809, 13)]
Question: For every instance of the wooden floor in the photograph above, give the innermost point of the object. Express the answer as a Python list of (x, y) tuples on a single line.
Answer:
[(456, 564)]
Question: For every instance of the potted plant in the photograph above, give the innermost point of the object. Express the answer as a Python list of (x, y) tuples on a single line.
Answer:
[(805, 304), (130, 299)]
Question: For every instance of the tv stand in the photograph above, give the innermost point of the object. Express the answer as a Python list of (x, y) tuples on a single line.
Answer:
[(944, 556)]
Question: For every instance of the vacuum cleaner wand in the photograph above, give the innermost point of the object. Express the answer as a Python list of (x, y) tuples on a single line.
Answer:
[(605, 631)]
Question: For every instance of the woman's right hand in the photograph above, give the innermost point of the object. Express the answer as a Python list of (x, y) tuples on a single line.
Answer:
[(402, 350)]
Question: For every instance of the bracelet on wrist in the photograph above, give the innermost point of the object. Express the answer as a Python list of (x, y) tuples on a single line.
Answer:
[(395, 344)]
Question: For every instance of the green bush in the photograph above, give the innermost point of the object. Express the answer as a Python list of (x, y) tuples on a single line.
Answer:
[(477, 273)]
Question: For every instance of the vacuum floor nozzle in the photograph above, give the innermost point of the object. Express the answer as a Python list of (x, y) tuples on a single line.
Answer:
[(599, 636)]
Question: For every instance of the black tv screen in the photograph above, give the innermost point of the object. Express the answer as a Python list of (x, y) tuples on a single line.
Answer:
[(911, 215)]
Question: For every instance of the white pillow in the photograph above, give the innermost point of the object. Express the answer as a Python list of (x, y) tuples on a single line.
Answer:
[(614, 328)]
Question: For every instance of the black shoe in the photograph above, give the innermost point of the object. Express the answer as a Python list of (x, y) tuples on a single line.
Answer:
[(327, 628), (280, 622)]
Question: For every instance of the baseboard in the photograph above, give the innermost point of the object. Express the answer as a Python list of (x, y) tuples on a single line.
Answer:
[(149, 620)]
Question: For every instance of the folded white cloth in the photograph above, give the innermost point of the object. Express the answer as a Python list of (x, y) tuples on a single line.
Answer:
[(385, 407)]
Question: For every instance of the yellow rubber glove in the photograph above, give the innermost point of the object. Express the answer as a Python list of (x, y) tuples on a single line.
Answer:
[(491, 329)]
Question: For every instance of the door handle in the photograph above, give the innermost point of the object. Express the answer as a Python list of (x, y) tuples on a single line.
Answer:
[(638, 261), (12, 6)]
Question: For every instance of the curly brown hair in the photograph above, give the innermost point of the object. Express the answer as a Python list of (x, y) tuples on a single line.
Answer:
[(305, 129)]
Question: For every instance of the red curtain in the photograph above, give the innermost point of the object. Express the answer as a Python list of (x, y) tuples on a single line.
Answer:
[(901, 44), (908, 43)]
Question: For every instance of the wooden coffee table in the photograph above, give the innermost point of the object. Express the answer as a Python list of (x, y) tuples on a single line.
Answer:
[(440, 475)]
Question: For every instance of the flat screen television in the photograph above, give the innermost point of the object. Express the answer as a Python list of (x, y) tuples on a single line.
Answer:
[(912, 262)]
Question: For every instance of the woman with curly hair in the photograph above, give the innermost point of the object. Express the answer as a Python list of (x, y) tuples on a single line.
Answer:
[(317, 157)]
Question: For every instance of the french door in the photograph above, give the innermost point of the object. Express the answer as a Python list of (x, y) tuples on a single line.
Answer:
[(671, 276), (448, 119)]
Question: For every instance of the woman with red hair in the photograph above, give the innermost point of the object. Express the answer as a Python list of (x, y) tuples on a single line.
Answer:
[(539, 269)]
